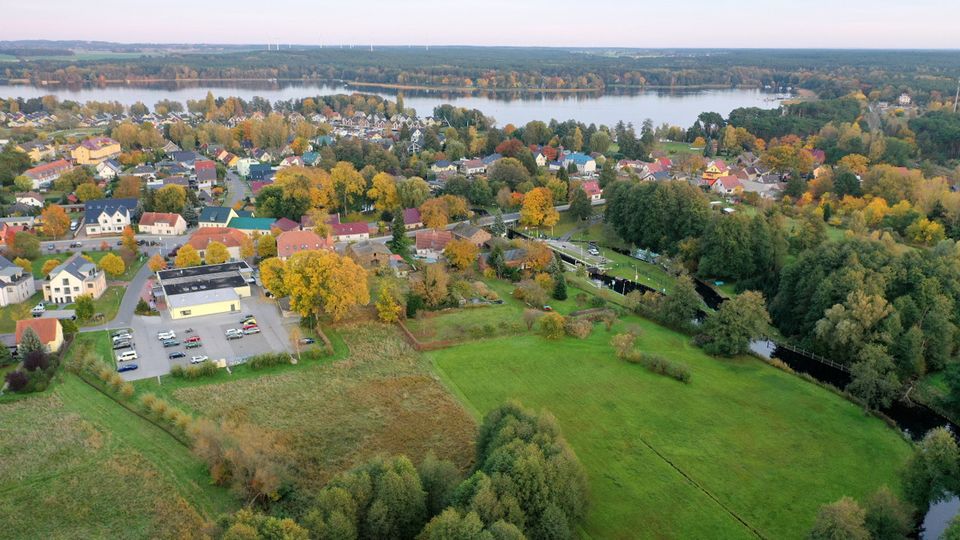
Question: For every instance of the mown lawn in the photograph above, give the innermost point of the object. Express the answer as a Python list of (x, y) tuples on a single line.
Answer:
[(76, 465), (767, 445), (10, 314), (131, 269), (108, 304)]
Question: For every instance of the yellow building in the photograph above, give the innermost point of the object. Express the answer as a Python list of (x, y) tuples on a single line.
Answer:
[(37, 151), (205, 290), (94, 151), (714, 171)]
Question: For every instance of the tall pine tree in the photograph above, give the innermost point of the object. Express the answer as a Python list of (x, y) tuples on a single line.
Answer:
[(400, 243)]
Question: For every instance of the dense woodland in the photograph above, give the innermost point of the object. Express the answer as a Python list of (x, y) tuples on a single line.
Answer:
[(829, 73)]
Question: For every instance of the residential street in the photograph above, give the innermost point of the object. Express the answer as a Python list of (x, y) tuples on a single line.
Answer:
[(237, 189)]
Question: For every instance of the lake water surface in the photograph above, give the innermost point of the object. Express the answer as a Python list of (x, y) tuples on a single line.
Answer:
[(677, 107)]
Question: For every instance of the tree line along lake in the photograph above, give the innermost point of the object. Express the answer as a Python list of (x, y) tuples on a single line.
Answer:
[(673, 106)]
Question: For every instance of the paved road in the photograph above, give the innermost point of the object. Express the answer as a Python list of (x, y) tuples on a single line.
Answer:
[(129, 303), (237, 189)]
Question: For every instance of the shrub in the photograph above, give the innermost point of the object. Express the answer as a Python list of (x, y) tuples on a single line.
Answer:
[(17, 380), (177, 371), (660, 365), (126, 390), (267, 360), (552, 325), (35, 360), (580, 299), (531, 316), (597, 302), (578, 328), (143, 308), (623, 344)]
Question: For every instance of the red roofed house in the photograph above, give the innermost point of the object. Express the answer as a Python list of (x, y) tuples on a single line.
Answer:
[(592, 189), (285, 224), (727, 185), (48, 329), (350, 232), (411, 219), (431, 243), (291, 242), (227, 236), (44, 175), (162, 223)]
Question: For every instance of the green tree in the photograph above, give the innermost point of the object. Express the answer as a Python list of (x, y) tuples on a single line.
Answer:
[(399, 242), (22, 183), (679, 308), (26, 245), (843, 519), (739, 320), (874, 377), (169, 199), (84, 307), (29, 342), (608, 173), (932, 474), (439, 479), (498, 228), (580, 207), (887, 517)]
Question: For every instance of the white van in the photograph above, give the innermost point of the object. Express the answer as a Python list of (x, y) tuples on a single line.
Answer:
[(128, 355)]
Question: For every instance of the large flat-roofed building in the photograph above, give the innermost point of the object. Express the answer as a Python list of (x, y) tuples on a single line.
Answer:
[(205, 290)]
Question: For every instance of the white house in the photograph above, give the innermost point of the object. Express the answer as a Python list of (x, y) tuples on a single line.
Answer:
[(75, 277), (161, 223), (31, 198), (584, 163), (16, 285), (109, 169), (109, 216)]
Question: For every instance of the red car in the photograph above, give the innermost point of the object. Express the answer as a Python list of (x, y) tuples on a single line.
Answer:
[(249, 326), (193, 339)]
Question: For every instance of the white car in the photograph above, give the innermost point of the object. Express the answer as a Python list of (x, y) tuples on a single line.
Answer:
[(234, 331), (124, 336), (38, 309), (127, 356), (169, 334), (198, 359)]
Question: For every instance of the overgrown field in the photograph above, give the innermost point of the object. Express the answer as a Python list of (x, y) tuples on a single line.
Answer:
[(76, 465), (667, 460), (382, 399)]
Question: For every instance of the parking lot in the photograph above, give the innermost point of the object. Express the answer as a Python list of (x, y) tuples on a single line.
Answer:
[(153, 358)]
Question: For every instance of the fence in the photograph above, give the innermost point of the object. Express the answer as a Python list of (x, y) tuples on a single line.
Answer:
[(814, 356)]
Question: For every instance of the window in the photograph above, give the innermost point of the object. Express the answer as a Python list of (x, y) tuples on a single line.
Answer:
[(56, 289), (185, 312), (89, 285), (66, 281), (76, 289)]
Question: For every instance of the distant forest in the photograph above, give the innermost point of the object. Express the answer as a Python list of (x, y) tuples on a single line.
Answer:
[(829, 73)]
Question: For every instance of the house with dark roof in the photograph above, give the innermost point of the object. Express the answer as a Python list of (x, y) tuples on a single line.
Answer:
[(369, 254), (109, 216), (220, 216), (471, 233), (74, 277), (412, 219), (31, 198), (16, 284), (109, 169), (285, 224)]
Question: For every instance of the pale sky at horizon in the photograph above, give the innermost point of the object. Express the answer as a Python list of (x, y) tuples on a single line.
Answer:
[(561, 23)]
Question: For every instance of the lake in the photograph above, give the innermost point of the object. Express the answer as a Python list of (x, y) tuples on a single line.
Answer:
[(676, 107)]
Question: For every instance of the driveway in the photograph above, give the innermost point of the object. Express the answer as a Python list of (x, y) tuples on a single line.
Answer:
[(237, 188)]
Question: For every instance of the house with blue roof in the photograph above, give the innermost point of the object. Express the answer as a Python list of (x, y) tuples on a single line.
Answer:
[(109, 216), (584, 163), (491, 159), (259, 171), (220, 216), (311, 158)]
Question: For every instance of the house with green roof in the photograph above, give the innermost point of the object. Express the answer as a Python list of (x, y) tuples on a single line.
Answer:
[(220, 216), (251, 225)]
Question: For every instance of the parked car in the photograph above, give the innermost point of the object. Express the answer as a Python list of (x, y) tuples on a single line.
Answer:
[(252, 330), (247, 319), (169, 334), (51, 247), (249, 325), (176, 354), (194, 345), (38, 309), (170, 343), (74, 224), (126, 367), (76, 244), (124, 344), (127, 356), (307, 341), (234, 331), (234, 336), (192, 339), (123, 336), (198, 359)]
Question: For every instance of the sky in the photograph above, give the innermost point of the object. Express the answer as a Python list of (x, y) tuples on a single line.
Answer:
[(560, 23)]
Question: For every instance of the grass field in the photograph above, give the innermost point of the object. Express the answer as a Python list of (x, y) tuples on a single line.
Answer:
[(76, 465), (382, 399), (10, 314), (743, 438), (108, 304)]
